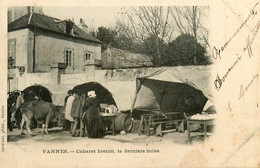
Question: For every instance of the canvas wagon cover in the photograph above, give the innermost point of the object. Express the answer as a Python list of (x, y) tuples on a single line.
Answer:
[(103, 94), (37, 90), (171, 89)]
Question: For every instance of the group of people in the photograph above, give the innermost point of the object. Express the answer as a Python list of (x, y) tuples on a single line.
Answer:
[(83, 111)]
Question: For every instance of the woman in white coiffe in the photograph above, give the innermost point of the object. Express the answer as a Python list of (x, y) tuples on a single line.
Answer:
[(92, 118)]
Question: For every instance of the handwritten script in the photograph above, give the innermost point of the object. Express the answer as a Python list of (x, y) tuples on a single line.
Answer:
[(249, 42), (244, 90), (216, 53), (218, 82)]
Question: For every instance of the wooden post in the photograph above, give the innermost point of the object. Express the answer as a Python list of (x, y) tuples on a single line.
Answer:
[(141, 125), (205, 130), (188, 128), (114, 125), (149, 125)]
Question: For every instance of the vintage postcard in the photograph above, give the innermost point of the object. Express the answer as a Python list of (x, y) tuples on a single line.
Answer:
[(130, 83)]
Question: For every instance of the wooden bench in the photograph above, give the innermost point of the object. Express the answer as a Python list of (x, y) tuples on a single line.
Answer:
[(145, 118), (157, 120)]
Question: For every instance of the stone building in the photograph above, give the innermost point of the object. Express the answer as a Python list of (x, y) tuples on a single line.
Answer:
[(37, 41), (43, 44)]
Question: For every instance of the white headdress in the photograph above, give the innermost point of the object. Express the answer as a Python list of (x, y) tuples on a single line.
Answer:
[(92, 93)]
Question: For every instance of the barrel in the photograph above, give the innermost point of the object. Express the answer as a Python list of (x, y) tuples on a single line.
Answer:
[(123, 122)]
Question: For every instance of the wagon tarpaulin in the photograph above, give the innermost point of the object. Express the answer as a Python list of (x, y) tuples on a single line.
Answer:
[(170, 89), (102, 93)]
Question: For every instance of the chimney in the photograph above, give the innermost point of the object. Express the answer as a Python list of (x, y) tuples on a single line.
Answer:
[(83, 26)]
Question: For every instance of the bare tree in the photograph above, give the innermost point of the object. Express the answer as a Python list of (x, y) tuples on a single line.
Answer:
[(142, 23), (189, 20)]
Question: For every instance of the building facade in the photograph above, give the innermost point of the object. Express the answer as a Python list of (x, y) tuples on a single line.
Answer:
[(41, 44), (36, 42)]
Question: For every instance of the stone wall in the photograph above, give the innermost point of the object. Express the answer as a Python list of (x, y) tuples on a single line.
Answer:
[(121, 83), (33, 78), (101, 76), (125, 74)]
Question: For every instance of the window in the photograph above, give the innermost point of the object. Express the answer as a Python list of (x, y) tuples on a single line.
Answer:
[(12, 49), (68, 57), (88, 56)]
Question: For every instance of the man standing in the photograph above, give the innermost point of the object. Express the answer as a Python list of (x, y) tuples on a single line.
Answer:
[(77, 113), (68, 105)]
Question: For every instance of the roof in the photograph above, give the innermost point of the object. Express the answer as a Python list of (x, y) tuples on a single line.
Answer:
[(127, 58), (47, 23)]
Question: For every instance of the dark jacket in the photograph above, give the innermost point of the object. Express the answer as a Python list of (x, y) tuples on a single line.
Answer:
[(77, 108)]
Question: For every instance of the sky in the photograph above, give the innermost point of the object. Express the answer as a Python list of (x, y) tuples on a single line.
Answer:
[(94, 16)]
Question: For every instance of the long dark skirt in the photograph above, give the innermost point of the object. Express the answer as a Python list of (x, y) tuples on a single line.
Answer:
[(94, 126)]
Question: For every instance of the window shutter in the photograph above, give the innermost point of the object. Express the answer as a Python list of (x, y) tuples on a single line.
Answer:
[(12, 49), (64, 56)]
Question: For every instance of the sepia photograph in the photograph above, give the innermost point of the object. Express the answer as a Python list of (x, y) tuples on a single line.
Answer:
[(144, 73), (125, 85)]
